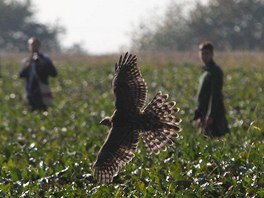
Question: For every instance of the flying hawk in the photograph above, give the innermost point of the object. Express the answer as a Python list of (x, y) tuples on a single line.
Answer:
[(155, 124)]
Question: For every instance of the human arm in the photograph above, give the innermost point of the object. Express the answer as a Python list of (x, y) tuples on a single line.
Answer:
[(203, 96), (46, 66), (52, 71), (24, 72), (216, 93)]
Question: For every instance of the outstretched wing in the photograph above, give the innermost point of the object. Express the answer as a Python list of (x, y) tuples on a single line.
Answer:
[(129, 87), (117, 151)]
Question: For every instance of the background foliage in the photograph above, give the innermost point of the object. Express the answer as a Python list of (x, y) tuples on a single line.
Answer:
[(17, 24), (50, 154), (229, 24)]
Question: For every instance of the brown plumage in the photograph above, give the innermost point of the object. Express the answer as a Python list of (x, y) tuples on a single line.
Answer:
[(155, 124)]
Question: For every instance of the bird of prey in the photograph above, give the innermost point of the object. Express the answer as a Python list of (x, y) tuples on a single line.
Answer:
[(155, 124)]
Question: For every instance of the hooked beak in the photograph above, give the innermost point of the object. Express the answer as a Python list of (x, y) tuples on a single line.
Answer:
[(106, 121)]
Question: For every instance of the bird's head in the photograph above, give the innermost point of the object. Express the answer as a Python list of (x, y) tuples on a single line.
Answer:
[(106, 121)]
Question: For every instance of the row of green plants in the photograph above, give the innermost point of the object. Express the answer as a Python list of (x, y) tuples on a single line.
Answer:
[(50, 154)]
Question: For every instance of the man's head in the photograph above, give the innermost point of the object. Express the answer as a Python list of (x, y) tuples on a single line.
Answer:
[(206, 52), (33, 44)]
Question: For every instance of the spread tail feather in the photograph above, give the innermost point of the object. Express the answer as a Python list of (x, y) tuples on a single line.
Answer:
[(161, 127)]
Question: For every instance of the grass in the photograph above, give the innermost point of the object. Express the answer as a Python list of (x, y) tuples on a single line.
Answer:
[(50, 154)]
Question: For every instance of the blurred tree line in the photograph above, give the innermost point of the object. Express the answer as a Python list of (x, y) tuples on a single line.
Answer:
[(229, 24), (17, 24)]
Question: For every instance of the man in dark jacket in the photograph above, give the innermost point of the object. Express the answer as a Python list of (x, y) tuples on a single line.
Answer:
[(210, 111), (36, 70)]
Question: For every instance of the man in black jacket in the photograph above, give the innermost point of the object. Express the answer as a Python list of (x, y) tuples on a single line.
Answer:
[(210, 111), (36, 70)]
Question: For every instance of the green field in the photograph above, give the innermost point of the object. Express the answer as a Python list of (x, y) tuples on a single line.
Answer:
[(51, 154)]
